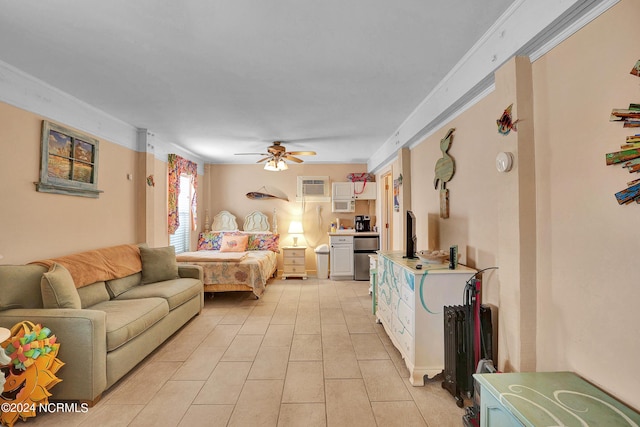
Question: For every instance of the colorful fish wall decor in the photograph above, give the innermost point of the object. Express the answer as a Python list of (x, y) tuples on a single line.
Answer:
[(263, 194), (636, 69), (505, 122)]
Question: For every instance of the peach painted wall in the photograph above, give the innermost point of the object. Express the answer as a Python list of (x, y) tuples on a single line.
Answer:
[(567, 285), (228, 184), (35, 225), (588, 269), (473, 194)]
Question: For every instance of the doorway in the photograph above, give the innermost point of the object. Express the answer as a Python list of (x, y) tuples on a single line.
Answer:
[(386, 226)]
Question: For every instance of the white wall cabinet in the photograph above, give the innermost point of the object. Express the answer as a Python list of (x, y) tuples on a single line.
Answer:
[(354, 190), (410, 307), (342, 191), (365, 190)]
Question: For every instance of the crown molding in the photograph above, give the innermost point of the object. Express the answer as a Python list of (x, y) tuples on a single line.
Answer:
[(590, 11), (24, 91), (472, 78)]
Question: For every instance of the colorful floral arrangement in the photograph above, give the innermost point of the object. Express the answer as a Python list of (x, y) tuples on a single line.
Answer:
[(25, 347), (33, 352)]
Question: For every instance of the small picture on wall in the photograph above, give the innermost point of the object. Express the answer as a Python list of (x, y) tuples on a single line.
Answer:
[(636, 69), (69, 162), (396, 195), (59, 154)]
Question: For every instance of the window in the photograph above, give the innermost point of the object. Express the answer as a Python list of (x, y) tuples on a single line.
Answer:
[(181, 239), (182, 198)]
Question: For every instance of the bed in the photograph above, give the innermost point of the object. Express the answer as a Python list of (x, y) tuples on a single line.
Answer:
[(234, 260)]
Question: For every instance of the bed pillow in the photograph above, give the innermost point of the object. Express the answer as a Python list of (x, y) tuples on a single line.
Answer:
[(211, 241), (158, 264), (264, 242), (237, 243), (58, 289)]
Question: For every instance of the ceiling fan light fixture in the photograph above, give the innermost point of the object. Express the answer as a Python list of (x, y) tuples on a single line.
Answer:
[(282, 165), (271, 165)]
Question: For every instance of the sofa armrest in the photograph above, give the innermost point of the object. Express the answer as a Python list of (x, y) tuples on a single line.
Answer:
[(191, 271), (83, 348)]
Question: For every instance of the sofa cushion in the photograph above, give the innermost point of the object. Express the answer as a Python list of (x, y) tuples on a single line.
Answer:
[(126, 319), (176, 291), (118, 286), (58, 289), (20, 286), (93, 294), (158, 264)]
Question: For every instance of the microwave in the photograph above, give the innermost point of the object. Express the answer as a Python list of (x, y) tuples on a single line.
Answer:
[(343, 205)]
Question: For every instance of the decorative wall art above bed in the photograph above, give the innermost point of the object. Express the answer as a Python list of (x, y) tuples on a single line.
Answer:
[(263, 194)]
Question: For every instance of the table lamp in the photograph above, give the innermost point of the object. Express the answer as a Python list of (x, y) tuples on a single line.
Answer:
[(295, 228)]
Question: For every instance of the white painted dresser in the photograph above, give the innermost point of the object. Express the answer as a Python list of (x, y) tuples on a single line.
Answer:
[(410, 304)]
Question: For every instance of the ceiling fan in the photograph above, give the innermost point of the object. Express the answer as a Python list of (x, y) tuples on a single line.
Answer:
[(277, 154)]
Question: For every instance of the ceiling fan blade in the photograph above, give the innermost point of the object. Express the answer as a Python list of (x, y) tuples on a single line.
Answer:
[(263, 159), (251, 154), (302, 153), (294, 159)]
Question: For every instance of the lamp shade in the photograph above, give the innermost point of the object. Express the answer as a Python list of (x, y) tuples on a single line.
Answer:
[(282, 165), (295, 227), (276, 166), (271, 166)]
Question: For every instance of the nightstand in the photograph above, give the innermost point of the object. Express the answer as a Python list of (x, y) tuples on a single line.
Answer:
[(294, 261)]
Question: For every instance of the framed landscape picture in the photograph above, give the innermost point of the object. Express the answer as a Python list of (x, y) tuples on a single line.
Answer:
[(69, 162)]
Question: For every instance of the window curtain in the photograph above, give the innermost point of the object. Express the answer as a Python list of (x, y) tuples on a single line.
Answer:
[(181, 166)]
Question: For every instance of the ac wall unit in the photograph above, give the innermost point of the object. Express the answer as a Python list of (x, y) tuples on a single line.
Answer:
[(313, 189)]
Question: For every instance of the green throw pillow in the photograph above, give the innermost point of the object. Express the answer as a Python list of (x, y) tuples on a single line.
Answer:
[(158, 264), (58, 289)]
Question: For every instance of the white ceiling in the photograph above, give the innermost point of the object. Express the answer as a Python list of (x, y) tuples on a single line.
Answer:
[(227, 76)]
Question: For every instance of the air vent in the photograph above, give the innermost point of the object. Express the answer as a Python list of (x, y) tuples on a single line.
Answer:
[(313, 188)]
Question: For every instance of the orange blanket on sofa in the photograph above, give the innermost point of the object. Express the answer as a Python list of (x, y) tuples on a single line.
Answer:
[(100, 264)]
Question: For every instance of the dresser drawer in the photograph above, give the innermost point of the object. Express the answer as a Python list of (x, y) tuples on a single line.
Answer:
[(408, 296), (292, 269), (384, 313), (294, 253), (406, 316), (404, 338), (294, 261)]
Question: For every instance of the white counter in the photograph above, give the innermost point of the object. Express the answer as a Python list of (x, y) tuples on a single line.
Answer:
[(351, 232)]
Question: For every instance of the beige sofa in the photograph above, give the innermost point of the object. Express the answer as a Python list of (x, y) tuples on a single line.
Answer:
[(105, 328)]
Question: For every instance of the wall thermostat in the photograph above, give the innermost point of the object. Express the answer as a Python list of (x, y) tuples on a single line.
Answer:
[(504, 161)]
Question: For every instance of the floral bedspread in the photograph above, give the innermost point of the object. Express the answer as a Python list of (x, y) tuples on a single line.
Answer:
[(253, 271)]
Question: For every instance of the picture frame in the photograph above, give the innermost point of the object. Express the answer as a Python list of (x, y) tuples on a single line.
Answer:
[(69, 162)]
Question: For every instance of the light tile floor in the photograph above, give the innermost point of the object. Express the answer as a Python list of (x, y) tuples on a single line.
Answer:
[(308, 353)]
